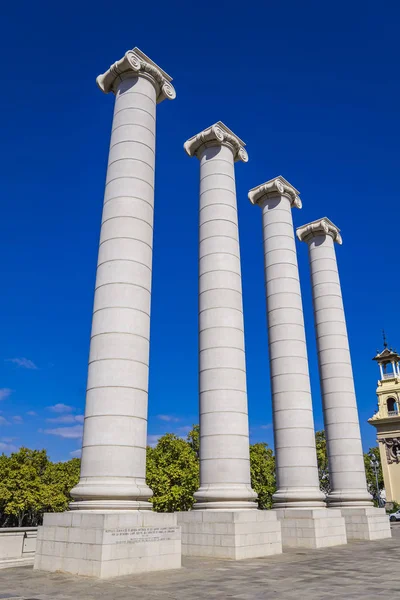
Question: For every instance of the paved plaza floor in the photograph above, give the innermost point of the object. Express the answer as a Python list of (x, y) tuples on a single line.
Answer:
[(365, 570)]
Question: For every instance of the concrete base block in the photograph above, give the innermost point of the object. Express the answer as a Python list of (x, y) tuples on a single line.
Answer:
[(230, 534), (108, 544), (366, 523), (312, 528)]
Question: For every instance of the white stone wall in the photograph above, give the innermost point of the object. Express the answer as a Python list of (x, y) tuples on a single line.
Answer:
[(17, 546)]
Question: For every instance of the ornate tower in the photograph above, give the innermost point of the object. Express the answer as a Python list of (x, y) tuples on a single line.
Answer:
[(387, 419)]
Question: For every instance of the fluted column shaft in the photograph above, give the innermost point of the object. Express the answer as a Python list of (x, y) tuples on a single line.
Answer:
[(113, 467), (224, 429), (346, 462), (295, 451)]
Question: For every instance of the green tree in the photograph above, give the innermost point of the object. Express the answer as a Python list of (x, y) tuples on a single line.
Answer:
[(30, 484), (172, 473), (262, 470), (193, 438), (20, 485), (58, 480), (322, 461)]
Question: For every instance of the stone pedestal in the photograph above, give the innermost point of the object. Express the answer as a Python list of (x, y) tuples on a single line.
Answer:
[(312, 528), (230, 534), (108, 544), (366, 523)]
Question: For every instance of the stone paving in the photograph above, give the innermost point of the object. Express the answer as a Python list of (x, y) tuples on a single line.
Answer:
[(358, 570)]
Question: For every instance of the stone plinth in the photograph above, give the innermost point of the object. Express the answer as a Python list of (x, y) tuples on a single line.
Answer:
[(308, 528), (366, 523), (108, 544), (230, 534)]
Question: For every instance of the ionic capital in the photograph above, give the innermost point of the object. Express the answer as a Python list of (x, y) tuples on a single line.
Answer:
[(216, 135), (317, 228), (137, 63), (275, 187)]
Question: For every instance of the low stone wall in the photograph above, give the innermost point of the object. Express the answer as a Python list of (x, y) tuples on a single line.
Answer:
[(17, 546)]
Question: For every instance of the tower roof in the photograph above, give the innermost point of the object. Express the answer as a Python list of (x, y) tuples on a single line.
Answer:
[(387, 355)]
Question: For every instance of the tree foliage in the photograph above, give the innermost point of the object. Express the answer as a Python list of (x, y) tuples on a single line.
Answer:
[(30, 484), (172, 473), (262, 469), (322, 461)]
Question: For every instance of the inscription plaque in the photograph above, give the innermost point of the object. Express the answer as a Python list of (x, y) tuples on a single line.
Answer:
[(135, 535)]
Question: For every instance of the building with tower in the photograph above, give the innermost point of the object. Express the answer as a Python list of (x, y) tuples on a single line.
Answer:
[(387, 419)]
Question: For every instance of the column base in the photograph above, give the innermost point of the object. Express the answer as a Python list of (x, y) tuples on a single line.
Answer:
[(312, 528), (106, 505), (299, 498), (108, 544), (219, 497), (366, 523), (349, 499), (230, 534)]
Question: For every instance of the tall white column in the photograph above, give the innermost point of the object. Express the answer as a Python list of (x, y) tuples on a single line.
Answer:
[(224, 429), (296, 460), (115, 430), (342, 428)]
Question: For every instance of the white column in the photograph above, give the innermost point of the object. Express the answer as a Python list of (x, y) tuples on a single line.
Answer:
[(224, 430), (381, 370), (115, 430), (342, 429), (296, 460)]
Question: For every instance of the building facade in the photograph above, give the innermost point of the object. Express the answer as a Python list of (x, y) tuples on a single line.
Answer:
[(387, 420)]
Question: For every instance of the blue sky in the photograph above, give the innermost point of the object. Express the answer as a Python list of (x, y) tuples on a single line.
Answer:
[(313, 90)]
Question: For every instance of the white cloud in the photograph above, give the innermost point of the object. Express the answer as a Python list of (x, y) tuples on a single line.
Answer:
[(268, 426), (31, 413), (7, 447), (8, 440), (184, 429), (168, 418), (76, 453), (17, 419), (5, 393), (67, 419), (4, 421), (73, 432), (23, 362), (153, 439), (60, 408)]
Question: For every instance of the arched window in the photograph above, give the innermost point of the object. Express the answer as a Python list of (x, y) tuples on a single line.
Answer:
[(392, 406)]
